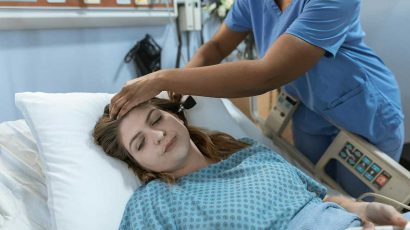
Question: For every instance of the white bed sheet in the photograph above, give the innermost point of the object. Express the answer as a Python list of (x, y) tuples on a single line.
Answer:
[(23, 191)]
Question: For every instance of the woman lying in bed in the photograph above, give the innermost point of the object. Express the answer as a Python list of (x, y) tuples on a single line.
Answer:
[(196, 179)]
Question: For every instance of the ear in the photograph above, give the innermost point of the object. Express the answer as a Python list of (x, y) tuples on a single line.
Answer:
[(182, 118), (178, 117)]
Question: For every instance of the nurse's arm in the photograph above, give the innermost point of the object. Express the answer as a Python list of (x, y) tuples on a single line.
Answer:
[(217, 48), (288, 58)]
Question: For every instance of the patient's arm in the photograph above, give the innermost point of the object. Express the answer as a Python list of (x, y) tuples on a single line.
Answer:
[(371, 213)]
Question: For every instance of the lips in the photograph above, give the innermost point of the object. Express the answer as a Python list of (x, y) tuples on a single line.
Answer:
[(170, 144)]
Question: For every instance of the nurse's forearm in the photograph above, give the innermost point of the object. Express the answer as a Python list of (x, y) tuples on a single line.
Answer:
[(288, 58), (234, 79), (218, 47), (208, 54)]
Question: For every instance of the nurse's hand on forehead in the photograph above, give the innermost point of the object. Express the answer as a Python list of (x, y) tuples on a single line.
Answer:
[(133, 93)]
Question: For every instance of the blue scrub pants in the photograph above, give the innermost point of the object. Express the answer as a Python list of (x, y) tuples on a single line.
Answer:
[(314, 145)]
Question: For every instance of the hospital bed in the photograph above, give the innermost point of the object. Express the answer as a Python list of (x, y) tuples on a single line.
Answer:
[(23, 185), (387, 179)]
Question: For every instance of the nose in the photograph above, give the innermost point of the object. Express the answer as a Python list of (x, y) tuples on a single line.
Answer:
[(159, 135)]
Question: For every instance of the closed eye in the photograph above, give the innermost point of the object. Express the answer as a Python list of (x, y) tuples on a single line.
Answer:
[(141, 145), (157, 120), (139, 134)]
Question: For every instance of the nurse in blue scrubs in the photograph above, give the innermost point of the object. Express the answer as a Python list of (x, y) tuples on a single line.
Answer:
[(315, 50)]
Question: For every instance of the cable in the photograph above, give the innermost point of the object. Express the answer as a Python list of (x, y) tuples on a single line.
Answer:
[(177, 63), (201, 34), (187, 35), (388, 199)]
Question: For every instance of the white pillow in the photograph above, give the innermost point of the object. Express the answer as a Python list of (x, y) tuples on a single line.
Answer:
[(86, 188)]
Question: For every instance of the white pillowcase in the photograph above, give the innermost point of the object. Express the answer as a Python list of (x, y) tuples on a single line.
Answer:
[(86, 188)]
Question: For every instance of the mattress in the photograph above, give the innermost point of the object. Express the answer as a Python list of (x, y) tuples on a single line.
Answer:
[(23, 193)]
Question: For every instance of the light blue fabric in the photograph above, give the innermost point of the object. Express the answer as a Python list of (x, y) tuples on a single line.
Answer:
[(254, 188), (323, 216), (407, 215), (349, 86)]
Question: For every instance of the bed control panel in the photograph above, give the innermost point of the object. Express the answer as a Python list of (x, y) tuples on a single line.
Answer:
[(364, 165), (376, 169), (281, 113)]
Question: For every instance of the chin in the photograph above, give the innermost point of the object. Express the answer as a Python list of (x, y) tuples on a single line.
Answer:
[(180, 151)]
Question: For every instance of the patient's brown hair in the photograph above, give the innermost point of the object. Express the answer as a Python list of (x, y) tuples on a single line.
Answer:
[(215, 146)]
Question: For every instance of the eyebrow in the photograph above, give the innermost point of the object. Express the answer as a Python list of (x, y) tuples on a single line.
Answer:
[(139, 133)]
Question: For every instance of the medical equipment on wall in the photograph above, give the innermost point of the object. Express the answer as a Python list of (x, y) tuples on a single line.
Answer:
[(189, 13), (377, 170), (146, 55), (189, 20)]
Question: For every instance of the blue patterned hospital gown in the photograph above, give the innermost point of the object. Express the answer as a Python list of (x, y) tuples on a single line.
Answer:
[(255, 188)]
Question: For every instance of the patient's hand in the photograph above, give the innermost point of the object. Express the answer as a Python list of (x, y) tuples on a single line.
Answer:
[(375, 213), (371, 213)]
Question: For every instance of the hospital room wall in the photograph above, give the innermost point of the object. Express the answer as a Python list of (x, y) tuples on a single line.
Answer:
[(78, 60), (70, 60)]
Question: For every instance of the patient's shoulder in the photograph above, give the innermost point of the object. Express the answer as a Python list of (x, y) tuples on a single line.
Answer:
[(248, 140), (255, 146), (259, 150)]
